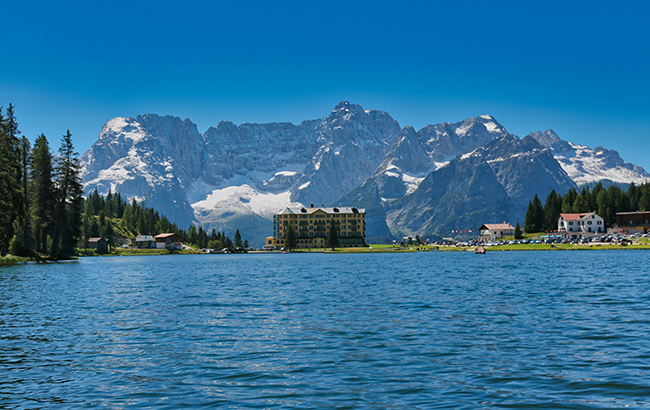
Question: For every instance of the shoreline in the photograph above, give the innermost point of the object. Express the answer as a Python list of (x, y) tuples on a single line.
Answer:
[(14, 260)]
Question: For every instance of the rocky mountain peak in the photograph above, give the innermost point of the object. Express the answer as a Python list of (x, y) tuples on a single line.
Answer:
[(547, 138)]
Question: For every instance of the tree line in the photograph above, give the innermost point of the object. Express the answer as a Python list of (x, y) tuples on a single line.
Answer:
[(41, 199), (606, 202)]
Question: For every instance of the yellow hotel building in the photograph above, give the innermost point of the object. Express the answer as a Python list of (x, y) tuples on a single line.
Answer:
[(312, 224)]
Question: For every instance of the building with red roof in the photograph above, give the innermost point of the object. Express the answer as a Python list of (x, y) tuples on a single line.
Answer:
[(579, 225)]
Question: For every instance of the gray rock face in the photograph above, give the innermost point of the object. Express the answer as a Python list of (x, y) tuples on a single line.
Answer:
[(456, 196), (232, 150), (492, 183), (352, 142), (427, 182)]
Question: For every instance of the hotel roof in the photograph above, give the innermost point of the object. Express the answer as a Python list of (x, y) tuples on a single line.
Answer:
[(328, 210)]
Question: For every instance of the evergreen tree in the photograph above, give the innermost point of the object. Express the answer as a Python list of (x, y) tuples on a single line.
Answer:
[(634, 195), (534, 221), (86, 226), (552, 210), (518, 233), (203, 237), (567, 201), (109, 234), (10, 193), (192, 236), (110, 205), (581, 203), (246, 246), (529, 220), (290, 241), (42, 192), (332, 240), (238, 242), (68, 200), (644, 201), (23, 241), (603, 207)]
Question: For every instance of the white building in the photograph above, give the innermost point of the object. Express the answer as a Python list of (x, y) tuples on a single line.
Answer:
[(580, 225), (491, 232)]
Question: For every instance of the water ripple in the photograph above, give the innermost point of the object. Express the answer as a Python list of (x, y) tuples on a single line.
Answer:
[(434, 330)]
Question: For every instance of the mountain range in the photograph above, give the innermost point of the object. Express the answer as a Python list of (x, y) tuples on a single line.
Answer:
[(430, 181)]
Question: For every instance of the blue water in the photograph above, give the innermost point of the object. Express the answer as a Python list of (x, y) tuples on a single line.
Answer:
[(552, 330)]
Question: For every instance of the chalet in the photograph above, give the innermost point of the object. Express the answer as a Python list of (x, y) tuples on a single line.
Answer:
[(491, 232), (99, 244), (633, 222), (580, 225), (169, 241)]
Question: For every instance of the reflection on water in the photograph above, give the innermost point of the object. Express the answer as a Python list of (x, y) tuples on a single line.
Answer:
[(435, 330)]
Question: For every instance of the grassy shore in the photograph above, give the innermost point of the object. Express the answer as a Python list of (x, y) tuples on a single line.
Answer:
[(11, 259)]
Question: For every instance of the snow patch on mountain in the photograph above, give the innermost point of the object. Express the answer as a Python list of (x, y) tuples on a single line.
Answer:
[(129, 128), (241, 200), (585, 165)]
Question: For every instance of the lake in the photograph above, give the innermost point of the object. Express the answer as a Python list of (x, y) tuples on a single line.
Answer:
[(552, 330)]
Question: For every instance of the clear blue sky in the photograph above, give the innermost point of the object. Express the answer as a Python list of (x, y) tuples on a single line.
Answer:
[(580, 68)]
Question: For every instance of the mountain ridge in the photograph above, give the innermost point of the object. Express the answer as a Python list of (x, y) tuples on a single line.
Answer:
[(243, 174)]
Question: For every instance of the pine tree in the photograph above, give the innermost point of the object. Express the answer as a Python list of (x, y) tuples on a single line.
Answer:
[(518, 233), (238, 242), (10, 195), (644, 200), (23, 241), (552, 210), (192, 236), (332, 240), (290, 241), (529, 220), (202, 237), (109, 234), (567, 201), (634, 195), (68, 200), (42, 192), (88, 219)]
